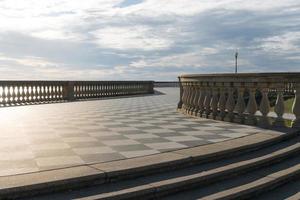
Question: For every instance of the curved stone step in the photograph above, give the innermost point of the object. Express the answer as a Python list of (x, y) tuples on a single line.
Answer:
[(253, 188), (82, 176), (277, 181), (287, 191), (164, 187)]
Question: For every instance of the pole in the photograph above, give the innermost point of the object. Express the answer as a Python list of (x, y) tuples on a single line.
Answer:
[(236, 57)]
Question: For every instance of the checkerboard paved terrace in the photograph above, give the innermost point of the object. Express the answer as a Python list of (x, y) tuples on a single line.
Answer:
[(51, 136)]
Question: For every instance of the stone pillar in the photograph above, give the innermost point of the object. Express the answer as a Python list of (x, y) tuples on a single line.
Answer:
[(69, 91), (191, 101), (279, 106), (179, 105), (201, 101), (230, 103), (207, 100), (251, 107), (222, 104), (240, 105), (264, 108), (183, 96), (214, 103), (296, 107), (195, 100), (188, 96)]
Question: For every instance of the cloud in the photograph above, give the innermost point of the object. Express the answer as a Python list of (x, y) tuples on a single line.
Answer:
[(133, 37), (284, 43), (145, 39)]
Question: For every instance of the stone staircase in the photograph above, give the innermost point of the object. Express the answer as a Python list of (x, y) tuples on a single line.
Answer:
[(244, 168)]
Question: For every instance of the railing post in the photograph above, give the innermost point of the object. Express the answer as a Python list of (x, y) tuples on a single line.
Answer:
[(296, 107), (251, 107), (200, 102), (230, 104), (240, 104), (222, 103), (279, 105), (214, 103), (191, 101), (264, 107), (207, 100), (195, 100), (69, 91)]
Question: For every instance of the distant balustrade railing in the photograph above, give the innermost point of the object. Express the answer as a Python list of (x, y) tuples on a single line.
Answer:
[(242, 98), (166, 84), (22, 92)]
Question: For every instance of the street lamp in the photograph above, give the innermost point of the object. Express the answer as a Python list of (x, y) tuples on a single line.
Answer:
[(236, 57)]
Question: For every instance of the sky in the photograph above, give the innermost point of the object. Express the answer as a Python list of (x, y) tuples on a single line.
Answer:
[(146, 39)]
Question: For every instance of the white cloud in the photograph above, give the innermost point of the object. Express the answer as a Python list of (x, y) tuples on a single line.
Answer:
[(134, 37), (191, 59), (153, 34), (287, 42)]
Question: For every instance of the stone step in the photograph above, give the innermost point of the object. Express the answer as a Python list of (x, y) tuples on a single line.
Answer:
[(204, 174), (287, 191), (31, 184), (262, 184)]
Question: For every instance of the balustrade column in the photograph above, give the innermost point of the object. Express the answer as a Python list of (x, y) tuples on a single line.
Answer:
[(188, 97), (184, 95), (296, 107), (191, 101), (279, 106), (251, 107), (214, 103), (69, 91), (264, 108), (179, 105), (240, 105), (222, 103), (200, 102), (230, 103), (207, 101), (195, 100)]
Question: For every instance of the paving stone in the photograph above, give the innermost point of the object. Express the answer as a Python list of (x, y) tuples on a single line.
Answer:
[(68, 134)]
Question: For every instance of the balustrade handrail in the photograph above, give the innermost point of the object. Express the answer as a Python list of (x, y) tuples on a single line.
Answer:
[(234, 97), (14, 92)]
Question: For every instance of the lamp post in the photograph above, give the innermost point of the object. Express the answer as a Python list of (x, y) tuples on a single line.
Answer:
[(236, 57)]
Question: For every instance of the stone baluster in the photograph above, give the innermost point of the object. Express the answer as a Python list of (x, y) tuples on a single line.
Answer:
[(1, 94), (179, 105), (222, 104), (33, 93), (195, 100), (200, 102), (240, 104), (296, 107), (251, 106), (13, 94), (22, 91), (230, 103), (214, 103), (43, 92), (188, 98), (9, 96), (191, 100), (264, 107), (207, 101), (184, 94), (279, 106)]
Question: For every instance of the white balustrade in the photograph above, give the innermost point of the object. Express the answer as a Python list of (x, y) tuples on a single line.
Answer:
[(24, 92), (241, 98)]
